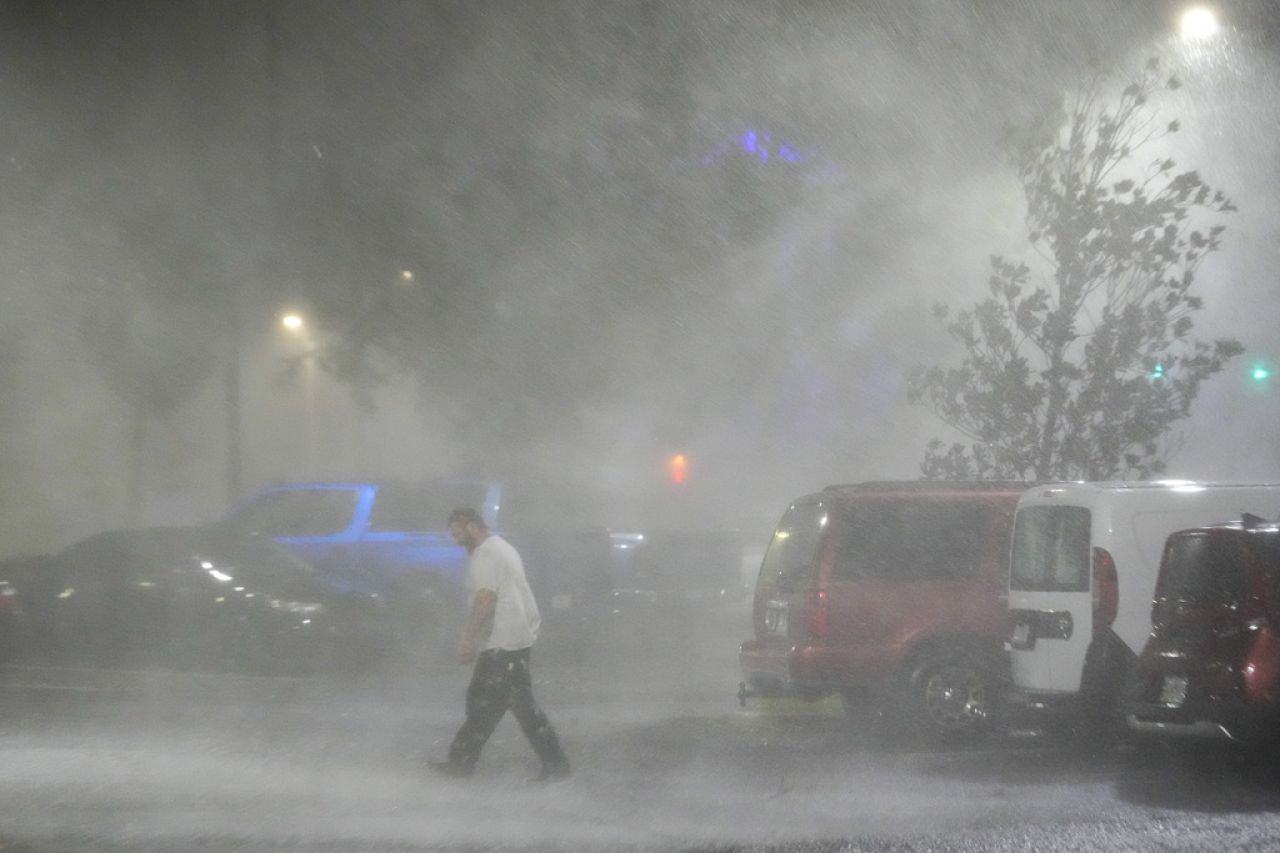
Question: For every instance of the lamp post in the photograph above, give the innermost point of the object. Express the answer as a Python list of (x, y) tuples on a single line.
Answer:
[(231, 400), (296, 325)]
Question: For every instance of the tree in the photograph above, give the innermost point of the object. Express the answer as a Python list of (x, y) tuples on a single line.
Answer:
[(1082, 373)]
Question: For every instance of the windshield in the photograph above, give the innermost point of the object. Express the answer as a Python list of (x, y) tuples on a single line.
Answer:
[(256, 560), (1050, 549)]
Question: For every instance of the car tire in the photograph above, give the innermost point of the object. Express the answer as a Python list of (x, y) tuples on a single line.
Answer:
[(948, 695)]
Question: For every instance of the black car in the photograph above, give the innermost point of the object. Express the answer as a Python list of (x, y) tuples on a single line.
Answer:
[(1211, 667), (208, 597)]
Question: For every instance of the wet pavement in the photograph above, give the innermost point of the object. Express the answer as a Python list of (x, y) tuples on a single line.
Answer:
[(664, 759)]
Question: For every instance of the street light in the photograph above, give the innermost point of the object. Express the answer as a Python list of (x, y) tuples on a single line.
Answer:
[(1199, 23), (295, 325)]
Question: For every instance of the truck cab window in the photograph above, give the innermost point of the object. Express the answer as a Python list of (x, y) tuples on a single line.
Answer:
[(421, 508), (310, 512)]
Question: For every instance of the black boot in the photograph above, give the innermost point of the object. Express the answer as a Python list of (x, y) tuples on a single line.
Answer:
[(553, 771), (448, 768)]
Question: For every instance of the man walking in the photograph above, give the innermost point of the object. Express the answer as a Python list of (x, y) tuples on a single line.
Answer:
[(500, 631)]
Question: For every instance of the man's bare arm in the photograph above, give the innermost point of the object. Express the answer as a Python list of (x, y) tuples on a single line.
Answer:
[(479, 624)]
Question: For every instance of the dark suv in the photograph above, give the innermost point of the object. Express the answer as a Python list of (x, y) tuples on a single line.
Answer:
[(893, 596), (1211, 667)]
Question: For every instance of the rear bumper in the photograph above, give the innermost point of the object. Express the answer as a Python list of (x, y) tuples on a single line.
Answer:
[(1197, 730), (1220, 718), (773, 668), (770, 669)]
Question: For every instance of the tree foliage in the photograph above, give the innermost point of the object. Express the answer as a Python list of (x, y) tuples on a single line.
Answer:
[(568, 234), (1080, 371)]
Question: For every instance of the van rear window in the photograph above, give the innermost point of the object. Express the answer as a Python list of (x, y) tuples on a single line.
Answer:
[(911, 540), (1050, 549), (793, 550)]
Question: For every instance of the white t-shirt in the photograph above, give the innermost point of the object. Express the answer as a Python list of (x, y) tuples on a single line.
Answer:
[(495, 565)]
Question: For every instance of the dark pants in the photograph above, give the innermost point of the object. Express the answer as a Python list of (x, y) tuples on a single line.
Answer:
[(500, 681)]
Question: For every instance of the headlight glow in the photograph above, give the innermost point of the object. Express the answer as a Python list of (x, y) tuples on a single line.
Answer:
[(300, 607)]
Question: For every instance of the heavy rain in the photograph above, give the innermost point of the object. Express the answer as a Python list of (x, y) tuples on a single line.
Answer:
[(284, 283)]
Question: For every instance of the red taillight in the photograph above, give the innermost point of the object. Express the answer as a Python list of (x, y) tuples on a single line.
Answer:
[(1261, 670), (817, 610), (1258, 603), (1106, 590)]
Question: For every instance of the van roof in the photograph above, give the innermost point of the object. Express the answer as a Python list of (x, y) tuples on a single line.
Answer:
[(934, 486), (1247, 523), (1078, 486)]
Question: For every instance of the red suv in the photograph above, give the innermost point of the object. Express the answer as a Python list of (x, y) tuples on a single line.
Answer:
[(892, 595), (1211, 668)]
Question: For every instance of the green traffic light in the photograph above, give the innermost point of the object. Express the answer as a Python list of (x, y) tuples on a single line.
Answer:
[(1261, 373)]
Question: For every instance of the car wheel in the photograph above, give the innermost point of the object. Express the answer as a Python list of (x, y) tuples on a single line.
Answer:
[(950, 695)]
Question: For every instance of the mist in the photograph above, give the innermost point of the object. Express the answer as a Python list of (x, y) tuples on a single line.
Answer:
[(301, 156), (550, 244)]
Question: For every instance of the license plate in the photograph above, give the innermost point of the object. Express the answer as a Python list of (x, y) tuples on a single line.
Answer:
[(1021, 637), (1173, 692), (775, 620)]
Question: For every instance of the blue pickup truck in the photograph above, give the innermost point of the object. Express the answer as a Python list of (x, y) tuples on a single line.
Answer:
[(389, 540)]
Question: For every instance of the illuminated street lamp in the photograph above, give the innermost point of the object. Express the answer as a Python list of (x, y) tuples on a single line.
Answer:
[(406, 276), (293, 323), (1199, 23)]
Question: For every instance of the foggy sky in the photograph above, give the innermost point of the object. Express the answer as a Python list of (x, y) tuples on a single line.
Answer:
[(608, 266)]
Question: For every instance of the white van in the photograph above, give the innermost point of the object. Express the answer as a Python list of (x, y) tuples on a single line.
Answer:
[(1082, 575)]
